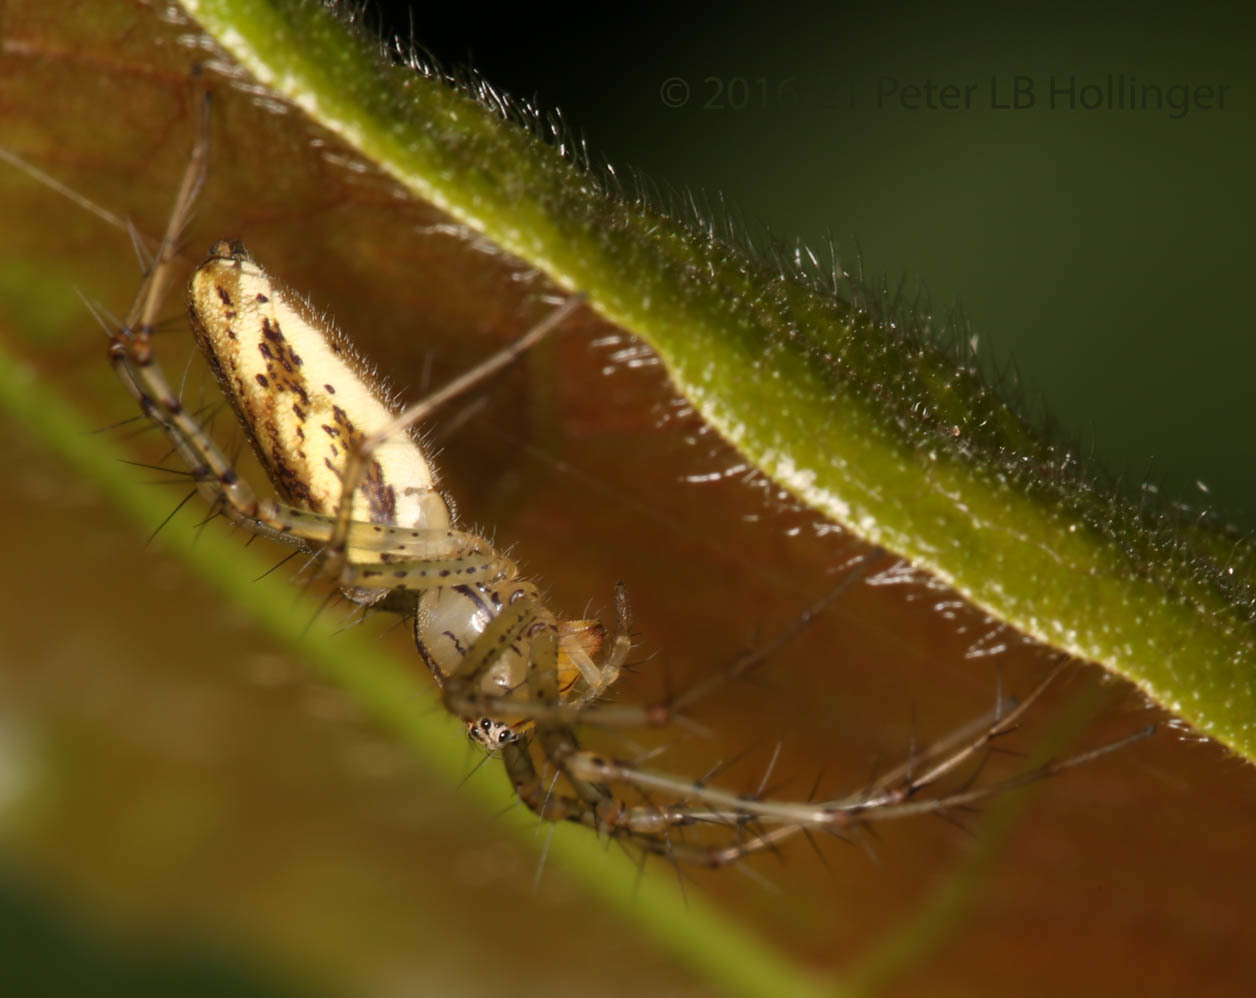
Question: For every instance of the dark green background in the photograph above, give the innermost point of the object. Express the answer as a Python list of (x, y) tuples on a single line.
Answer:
[(1106, 253)]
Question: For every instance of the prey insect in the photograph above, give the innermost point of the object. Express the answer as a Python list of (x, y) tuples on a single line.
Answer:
[(356, 492)]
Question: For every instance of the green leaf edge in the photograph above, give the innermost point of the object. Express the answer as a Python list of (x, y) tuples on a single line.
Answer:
[(814, 392), (650, 899)]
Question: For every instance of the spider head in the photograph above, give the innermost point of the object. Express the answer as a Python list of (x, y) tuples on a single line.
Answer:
[(490, 734)]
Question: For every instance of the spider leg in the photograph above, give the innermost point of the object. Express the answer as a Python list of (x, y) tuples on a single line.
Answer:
[(662, 712), (131, 355), (717, 805), (601, 674), (359, 455), (750, 823), (647, 827), (953, 750)]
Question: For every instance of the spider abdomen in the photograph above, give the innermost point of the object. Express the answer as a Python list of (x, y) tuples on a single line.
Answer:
[(304, 396)]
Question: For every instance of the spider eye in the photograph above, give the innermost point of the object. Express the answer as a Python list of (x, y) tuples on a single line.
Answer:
[(486, 724), (506, 736)]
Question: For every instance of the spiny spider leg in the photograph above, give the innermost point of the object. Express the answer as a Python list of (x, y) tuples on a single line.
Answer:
[(900, 782), (722, 807)]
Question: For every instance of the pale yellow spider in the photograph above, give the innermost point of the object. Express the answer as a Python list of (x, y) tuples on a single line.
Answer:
[(358, 495)]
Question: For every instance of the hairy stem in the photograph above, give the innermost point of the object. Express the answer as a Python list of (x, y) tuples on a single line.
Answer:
[(900, 441)]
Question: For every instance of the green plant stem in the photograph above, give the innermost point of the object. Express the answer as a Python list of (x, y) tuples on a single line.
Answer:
[(884, 433)]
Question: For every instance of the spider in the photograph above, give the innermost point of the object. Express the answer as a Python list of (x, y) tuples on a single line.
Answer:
[(357, 493)]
